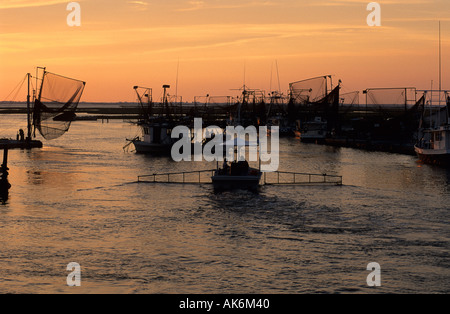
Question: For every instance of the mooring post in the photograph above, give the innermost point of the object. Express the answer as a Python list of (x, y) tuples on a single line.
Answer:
[(4, 184), (4, 168)]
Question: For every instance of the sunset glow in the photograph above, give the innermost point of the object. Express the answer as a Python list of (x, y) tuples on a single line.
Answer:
[(211, 44)]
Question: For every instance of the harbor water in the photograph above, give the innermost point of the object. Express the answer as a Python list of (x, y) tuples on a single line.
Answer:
[(77, 200)]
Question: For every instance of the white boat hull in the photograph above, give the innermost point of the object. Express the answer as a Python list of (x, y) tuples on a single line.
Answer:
[(439, 157)]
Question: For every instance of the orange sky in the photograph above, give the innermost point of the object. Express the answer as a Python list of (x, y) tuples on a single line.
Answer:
[(125, 43)]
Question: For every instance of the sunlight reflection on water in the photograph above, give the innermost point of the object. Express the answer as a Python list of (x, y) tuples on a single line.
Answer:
[(77, 200)]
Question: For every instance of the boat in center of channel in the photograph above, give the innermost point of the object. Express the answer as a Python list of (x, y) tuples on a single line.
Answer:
[(237, 175)]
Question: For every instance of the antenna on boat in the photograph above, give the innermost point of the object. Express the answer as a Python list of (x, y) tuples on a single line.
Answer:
[(271, 74), (165, 87), (431, 104), (440, 78), (278, 76), (42, 81), (28, 109), (244, 72), (440, 62), (176, 84)]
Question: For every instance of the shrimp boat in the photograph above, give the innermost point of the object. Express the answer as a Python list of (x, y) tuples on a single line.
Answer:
[(156, 124), (237, 175), (314, 103), (312, 131), (433, 146)]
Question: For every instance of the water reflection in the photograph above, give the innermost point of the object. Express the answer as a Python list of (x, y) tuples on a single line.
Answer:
[(77, 199)]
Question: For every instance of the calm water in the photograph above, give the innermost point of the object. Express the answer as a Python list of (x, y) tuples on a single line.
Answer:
[(76, 200)]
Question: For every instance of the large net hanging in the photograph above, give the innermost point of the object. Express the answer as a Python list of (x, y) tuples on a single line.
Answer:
[(309, 91), (55, 107), (385, 99)]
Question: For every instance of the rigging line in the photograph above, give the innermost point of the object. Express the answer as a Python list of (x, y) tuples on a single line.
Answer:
[(271, 73), (176, 85), (278, 75), (18, 87), (66, 77), (32, 86)]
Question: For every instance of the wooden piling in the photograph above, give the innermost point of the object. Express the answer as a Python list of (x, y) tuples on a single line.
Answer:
[(4, 168)]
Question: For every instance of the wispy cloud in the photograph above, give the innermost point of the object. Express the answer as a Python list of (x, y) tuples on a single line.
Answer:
[(365, 2), (175, 38), (12, 4), (195, 5), (418, 19), (139, 5)]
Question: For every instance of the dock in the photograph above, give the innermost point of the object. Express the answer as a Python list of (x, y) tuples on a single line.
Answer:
[(18, 144)]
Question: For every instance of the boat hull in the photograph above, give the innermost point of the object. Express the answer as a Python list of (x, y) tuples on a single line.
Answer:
[(228, 182), (149, 148), (433, 157), (312, 138)]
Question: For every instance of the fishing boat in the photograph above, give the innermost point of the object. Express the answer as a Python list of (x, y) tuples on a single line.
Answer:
[(278, 116), (433, 146), (314, 104), (286, 130), (312, 131), (156, 124), (236, 175), (156, 138)]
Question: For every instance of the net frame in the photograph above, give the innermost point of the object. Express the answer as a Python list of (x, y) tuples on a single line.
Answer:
[(55, 107)]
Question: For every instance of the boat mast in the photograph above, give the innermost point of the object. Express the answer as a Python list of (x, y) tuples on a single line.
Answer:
[(176, 85), (28, 109), (440, 77), (42, 82), (278, 77), (39, 96), (431, 104), (165, 100), (440, 63)]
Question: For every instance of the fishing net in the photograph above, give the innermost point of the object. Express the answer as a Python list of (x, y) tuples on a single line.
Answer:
[(309, 91), (220, 100), (391, 98), (350, 99), (55, 107), (145, 99)]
